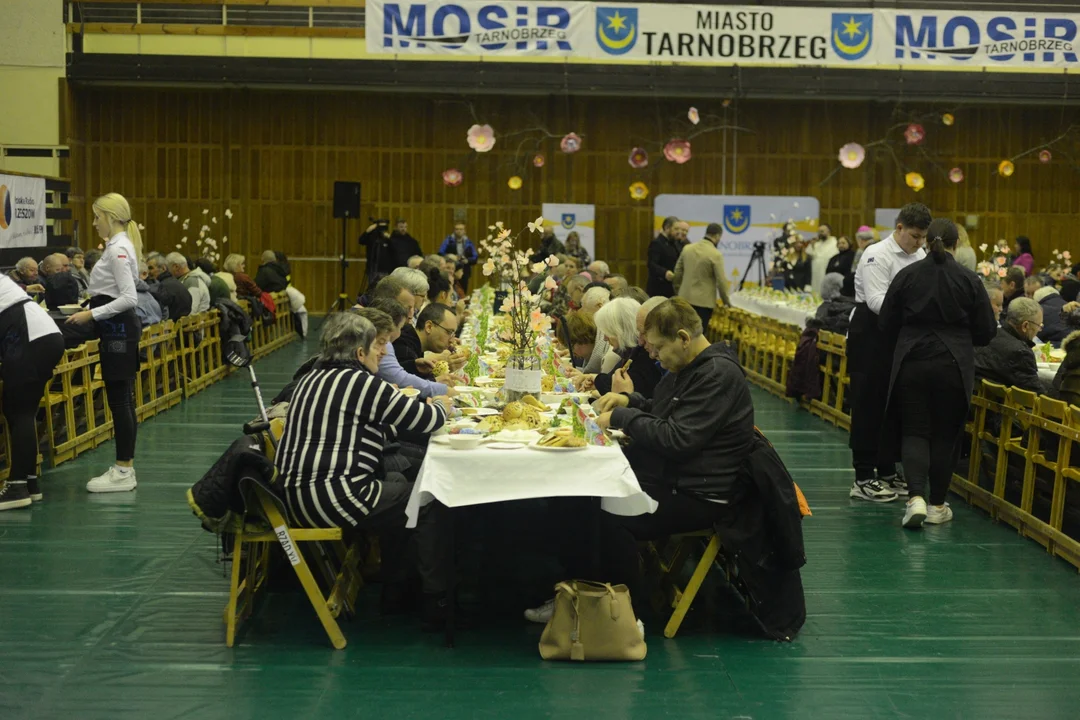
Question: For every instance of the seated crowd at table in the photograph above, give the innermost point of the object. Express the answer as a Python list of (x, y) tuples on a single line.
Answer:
[(362, 412)]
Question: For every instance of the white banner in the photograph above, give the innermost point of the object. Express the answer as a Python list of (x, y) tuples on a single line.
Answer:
[(565, 219), (885, 220), (745, 219), (22, 211), (720, 35)]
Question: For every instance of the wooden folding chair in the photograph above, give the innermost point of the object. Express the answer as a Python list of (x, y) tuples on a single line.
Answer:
[(681, 599), (265, 524)]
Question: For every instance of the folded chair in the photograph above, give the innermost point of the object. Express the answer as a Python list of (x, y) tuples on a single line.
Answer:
[(309, 551)]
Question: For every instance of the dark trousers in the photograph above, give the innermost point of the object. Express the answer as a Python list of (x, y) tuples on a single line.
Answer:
[(677, 513), (26, 371), (705, 314), (868, 395), (933, 408), (121, 397), (424, 548)]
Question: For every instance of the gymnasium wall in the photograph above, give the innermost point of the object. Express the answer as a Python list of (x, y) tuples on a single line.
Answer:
[(271, 157)]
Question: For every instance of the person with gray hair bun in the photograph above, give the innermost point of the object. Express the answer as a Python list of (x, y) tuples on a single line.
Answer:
[(330, 457)]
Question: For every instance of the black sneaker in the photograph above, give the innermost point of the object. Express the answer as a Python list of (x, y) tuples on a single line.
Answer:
[(13, 495), (34, 489), (896, 483), (434, 612)]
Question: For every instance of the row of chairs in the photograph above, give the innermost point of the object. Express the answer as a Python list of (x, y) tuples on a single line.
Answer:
[(1019, 445), (178, 360)]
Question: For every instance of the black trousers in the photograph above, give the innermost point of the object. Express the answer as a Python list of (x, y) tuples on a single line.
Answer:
[(26, 370), (933, 408), (868, 395), (705, 314), (120, 395)]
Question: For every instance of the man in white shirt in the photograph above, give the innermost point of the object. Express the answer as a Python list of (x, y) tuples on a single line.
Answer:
[(869, 361)]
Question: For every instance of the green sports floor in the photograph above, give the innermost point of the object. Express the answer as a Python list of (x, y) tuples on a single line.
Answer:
[(110, 607)]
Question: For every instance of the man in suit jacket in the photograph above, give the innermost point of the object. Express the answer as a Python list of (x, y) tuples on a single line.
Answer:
[(699, 274)]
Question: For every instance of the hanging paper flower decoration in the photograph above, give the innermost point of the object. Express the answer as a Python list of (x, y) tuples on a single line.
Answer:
[(639, 158), (947, 119), (915, 181), (481, 138), (852, 155), (956, 175), (1045, 156), (726, 102), (514, 183), (1006, 168), (570, 143), (677, 151), (914, 134), (452, 177), (693, 116), (538, 160), (639, 190)]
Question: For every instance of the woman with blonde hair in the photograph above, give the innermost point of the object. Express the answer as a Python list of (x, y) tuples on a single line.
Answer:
[(965, 254), (113, 298), (233, 263)]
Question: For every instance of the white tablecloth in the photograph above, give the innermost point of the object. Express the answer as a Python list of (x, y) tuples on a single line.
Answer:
[(475, 477), (776, 311)]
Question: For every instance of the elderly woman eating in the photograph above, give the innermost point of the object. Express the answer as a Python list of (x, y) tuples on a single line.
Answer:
[(330, 457), (617, 322)]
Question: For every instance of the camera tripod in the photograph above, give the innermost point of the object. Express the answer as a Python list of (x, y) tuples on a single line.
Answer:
[(757, 259)]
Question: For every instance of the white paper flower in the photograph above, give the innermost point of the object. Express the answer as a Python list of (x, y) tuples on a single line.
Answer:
[(537, 225), (206, 211), (183, 239), (213, 220), (175, 218), (225, 238), (178, 246), (228, 213)]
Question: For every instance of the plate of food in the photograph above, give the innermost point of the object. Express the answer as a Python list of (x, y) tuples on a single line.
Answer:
[(409, 391), (478, 411), (70, 309), (561, 440)]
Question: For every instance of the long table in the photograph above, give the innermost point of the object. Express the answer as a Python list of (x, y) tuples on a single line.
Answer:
[(776, 310)]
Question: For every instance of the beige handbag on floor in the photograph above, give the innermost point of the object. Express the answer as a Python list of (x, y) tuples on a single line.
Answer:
[(592, 621)]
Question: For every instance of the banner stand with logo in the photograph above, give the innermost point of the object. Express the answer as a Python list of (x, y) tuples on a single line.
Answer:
[(565, 218), (22, 211)]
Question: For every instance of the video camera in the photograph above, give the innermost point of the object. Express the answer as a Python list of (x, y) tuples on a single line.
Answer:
[(379, 222)]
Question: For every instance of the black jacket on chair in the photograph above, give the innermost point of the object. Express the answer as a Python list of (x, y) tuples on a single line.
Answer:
[(698, 428), (1008, 360)]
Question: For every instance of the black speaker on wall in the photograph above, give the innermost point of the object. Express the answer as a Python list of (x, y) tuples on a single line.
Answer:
[(346, 199)]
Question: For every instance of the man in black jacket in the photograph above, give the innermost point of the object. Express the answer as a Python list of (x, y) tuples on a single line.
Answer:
[(61, 287), (174, 298), (403, 245), (1008, 359), (690, 441), (663, 254), (272, 276)]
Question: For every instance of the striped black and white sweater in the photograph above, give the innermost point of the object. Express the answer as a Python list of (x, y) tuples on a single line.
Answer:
[(330, 456)]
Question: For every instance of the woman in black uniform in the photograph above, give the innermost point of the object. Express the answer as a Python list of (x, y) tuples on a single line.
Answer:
[(935, 312), (112, 310), (30, 347)]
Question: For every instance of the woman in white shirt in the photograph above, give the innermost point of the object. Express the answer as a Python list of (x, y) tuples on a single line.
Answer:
[(30, 347), (113, 298)]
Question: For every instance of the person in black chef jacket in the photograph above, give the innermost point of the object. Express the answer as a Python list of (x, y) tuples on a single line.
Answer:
[(934, 313)]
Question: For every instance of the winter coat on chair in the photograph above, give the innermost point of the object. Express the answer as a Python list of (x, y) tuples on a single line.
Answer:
[(1067, 380), (804, 378)]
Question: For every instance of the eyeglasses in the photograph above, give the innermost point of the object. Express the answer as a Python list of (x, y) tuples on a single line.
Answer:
[(448, 331)]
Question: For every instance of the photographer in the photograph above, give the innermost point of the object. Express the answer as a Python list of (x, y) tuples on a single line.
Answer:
[(380, 254)]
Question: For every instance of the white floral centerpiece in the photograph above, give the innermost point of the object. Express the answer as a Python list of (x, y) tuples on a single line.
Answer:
[(509, 266)]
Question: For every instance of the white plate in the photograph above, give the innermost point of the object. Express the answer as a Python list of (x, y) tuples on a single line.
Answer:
[(504, 446), (478, 412), (521, 437), (468, 389), (537, 446), (441, 439)]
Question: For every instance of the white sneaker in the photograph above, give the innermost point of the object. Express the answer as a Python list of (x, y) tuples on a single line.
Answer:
[(936, 515), (915, 513), (541, 614), (873, 491), (112, 481)]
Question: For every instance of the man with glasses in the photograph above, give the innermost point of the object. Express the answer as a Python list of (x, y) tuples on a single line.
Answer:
[(436, 326), (1008, 359)]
